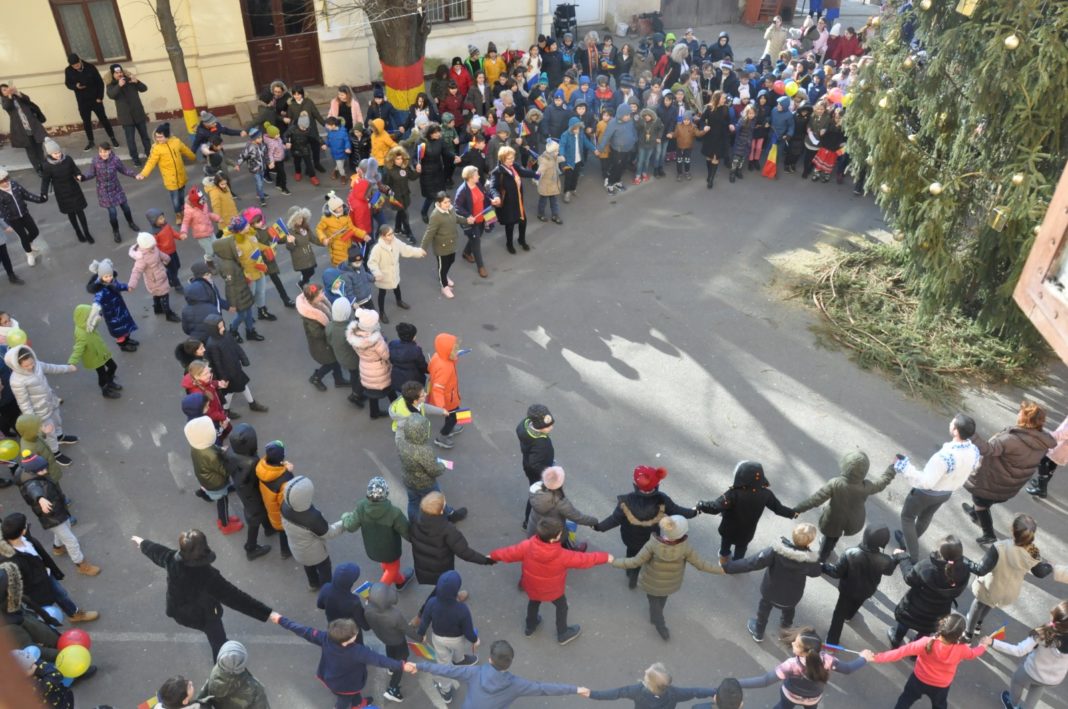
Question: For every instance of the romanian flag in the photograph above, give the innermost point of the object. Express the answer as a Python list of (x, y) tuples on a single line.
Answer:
[(572, 532), (999, 634), (377, 200), (423, 650), (363, 590), (524, 130), (540, 103), (420, 152), (148, 703), (463, 416), (395, 203)]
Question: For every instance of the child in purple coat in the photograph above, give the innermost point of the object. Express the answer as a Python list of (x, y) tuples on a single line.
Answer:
[(105, 168)]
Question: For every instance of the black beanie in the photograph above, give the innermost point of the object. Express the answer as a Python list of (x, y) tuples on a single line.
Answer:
[(164, 129), (73, 58)]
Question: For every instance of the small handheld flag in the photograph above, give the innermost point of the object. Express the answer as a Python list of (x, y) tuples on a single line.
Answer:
[(999, 634), (363, 590), (423, 650), (447, 463), (420, 152), (148, 703), (463, 416), (461, 353), (839, 648), (540, 103)]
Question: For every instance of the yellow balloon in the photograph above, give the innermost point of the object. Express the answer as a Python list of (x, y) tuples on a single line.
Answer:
[(791, 88), (15, 337), (847, 99), (73, 660), (9, 449)]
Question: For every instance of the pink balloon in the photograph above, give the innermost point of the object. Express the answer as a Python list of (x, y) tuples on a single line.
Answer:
[(779, 87), (835, 95)]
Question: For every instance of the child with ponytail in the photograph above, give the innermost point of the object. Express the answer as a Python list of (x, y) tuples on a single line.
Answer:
[(937, 658), (805, 675), (1046, 665)]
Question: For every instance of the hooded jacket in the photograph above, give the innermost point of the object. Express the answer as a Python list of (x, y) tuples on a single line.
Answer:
[(356, 284), (228, 264), (196, 591), (342, 668), (638, 514), (28, 426), (89, 347), (421, 466), (553, 504), (273, 480), (663, 564), (536, 448), (202, 299), (227, 358), (1009, 460), (207, 457), (575, 145), (230, 684), (934, 586), (305, 525), (545, 566), (787, 569), (386, 620), (1000, 576), (490, 688), (340, 315), (408, 363), (620, 135), (445, 616), (649, 132), (199, 221), (31, 389), (444, 390), (315, 318), (743, 504), (374, 356), (171, 156), (782, 121), (338, 599), (861, 568), (435, 543), (240, 460), (382, 525), (846, 496)]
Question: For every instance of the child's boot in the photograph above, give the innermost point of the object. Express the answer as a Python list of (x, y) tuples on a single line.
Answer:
[(109, 392), (712, 168), (686, 167), (254, 336), (171, 315), (115, 234), (157, 305), (678, 170), (263, 314)]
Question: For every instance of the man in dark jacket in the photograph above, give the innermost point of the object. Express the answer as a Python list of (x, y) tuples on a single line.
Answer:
[(638, 513), (202, 299), (555, 118), (27, 129), (552, 63), (240, 460), (859, 570), (125, 90), (535, 446), (84, 80)]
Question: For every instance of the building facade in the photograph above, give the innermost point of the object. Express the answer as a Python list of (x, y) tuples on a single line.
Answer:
[(233, 48)]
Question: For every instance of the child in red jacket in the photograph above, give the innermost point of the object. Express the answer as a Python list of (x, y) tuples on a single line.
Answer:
[(936, 661), (166, 242), (545, 564)]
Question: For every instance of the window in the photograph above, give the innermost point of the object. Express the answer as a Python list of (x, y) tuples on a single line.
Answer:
[(92, 29), (448, 10)]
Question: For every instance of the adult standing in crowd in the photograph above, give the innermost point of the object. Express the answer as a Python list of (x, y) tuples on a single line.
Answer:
[(125, 90), (27, 124), (84, 80)]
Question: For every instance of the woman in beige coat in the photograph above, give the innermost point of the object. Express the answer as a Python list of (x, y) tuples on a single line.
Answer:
[(384, 263), (365, 336), (663, 562)]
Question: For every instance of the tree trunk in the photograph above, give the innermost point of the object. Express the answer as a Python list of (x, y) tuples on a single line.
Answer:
[(169, 29), (400, 29)]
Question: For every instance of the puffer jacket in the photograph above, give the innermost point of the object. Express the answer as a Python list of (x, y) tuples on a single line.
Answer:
[(171, 157), (374, 357), (152, 266), (421, 466), (89, 347), (1009, 460), (34, 487), (240, 460), (638, 515), (861, 568), (553, 504), (315, 319), (846, 496), (117, 316), (228, 264), (384, 262), (202, 299), (222, 202), (407, 362), (200, 222), (207, 456), (663, 564), (444, 391), (382, 525), (545, 566), (340, 315), (337, 234), (787, 569), (356, 284), (62, 176), (31, 389), (304, 525), (249, 254), (934, 586), (300, 251), (435, 543), (273, 480)]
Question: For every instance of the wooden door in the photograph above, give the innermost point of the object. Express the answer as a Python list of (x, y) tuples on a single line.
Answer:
[(283, 42)]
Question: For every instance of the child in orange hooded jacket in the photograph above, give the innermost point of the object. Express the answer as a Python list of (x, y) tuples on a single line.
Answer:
[(444, 389)]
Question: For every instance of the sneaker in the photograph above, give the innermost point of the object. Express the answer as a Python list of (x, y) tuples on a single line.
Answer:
[(1006, 699), (456, 431), (894, 644), (636, 181), (447, 292), (458, 515), (67, 439), (393, 694), (645, 178), (443, 443), (233, 526), (283, 190), (985, 540), (899, 537), (446, 695), (89, 146), (63, 459), (572, 632), (31, 258), (409, 576), (751, 626), (467, 660), (258, 551), (529, 630)]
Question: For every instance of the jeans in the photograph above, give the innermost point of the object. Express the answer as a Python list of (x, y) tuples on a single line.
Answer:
[(416, 496), (244, 316), (131, 131), (916, 515), (113, 215), (259, 292), (915, 689), (258, 176), (1023, 682), (659, 153), (816, 7), (561, 614), (205, 245), (764, 612), (554, 205), (177, 199), (63, 598), (844, 610), (63, 536), (644, 156), (474, 245), (318, 574)]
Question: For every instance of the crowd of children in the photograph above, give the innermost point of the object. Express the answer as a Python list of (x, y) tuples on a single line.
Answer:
[(497, 120)]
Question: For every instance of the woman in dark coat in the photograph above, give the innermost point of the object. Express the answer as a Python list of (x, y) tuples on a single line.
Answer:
[(60, 173), (125, 91), (506, 184), (314, 311), (716, 135), (240, 460), (27, 124), (934, 585), (196, 591), (228, 361), (431, 160)]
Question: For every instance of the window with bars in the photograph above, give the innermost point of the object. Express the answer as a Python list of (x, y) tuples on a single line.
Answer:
[(448, 10), (92, 29)]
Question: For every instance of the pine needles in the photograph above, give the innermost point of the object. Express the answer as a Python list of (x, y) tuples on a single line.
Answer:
[(868, 308)]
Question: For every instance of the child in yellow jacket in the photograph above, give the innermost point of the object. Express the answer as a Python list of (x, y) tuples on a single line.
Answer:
[(336, 231), (381, 141)]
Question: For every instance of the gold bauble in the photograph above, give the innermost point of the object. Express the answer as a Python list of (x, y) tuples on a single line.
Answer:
[(898, 236), (1018, 179), (908, 62), (869, 160), (875, 21), (884, 188), (1037, 229), (883, 102), (912, 137), (925, 5), (935, 188), (1012, 42)]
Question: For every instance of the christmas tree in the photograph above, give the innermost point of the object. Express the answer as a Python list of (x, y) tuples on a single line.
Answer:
[(960, 122)]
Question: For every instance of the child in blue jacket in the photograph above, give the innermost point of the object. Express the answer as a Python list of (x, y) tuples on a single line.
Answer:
[(451, 628), (337, 139)]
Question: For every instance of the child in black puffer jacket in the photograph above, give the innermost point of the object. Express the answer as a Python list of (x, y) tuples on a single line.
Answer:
[(860, 569), (742, 506)]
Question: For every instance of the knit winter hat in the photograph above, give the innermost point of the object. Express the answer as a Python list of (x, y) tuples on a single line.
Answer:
[(539, 416), (208, 118), (3, 174), (446, 117), (51, 146), (200, 269), (145, 241), (377, 488), (378, 92), (299, 493), (193, 405), (164, 129), (304, 123), (334, 203), (232, 657), (543, 79), (270, 129), (584, 80), (559, 94), (102, 268), (200, 433), (33, 463), (238, 223), (114, 67), (355, 253), (274, 453), (341, 310), (674, 527), (472, 49), (647, 478), (553, 477), (367, 320), (369, 168)]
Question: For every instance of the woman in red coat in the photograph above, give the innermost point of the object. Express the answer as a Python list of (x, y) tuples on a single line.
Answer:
[(460, 75), (362, 184)]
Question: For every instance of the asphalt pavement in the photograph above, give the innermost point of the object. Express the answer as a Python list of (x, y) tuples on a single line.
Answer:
[(652, 324)]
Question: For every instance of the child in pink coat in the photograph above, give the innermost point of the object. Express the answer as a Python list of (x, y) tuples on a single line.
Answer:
[(199, 220), (150, 264)]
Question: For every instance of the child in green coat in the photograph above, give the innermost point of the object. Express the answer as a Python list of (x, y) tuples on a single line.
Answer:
[(90, 350), (383, 526)]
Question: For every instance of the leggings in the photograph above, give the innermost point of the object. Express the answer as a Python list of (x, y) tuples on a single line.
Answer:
[(445, 263), (382, 297), (509, 228), (756, 148), (1023, 682), (915, 689), (305, 276), (222, 508), (401, 224), (27, 230), (81, 226), (113, 216), (279, 174), (5, 259)]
